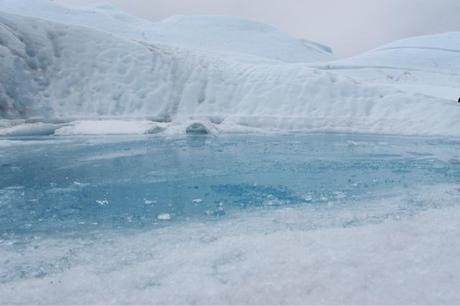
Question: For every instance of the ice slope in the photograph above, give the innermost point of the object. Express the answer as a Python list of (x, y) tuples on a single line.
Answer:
[(228, 35), (426, 64), (55, 71)]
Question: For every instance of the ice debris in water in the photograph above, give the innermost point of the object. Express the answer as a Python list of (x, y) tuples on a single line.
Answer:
[(103, 202), (149, 202), (308, 198), (164, 217), (340, 195)]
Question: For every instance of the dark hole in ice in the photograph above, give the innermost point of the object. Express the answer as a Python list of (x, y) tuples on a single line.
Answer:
[(197, 129)]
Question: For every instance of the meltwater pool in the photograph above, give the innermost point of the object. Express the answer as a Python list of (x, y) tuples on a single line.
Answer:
[(152, 218), (54, 185)]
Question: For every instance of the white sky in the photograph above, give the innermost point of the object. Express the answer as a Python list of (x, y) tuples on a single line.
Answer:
[(348, 26)]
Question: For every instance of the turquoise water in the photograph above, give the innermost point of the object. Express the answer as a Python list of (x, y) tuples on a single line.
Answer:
[(70, 185)]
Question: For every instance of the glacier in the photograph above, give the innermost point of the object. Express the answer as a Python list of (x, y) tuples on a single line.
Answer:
[(158, 162), (56, 70)]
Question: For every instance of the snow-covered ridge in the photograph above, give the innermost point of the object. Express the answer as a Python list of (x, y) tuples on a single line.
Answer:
[(232, 34), (226, 35)]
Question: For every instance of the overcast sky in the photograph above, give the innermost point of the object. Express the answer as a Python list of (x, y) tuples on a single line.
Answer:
[(348, 26)]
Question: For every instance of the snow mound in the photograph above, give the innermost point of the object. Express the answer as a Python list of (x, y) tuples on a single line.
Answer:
[(428, 65), (221, 34), (54, 71)]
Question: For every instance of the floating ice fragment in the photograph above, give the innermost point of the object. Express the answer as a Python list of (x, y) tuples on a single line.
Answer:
[(79, 184), (308, 198), (219, 212), (164, 217), (149, 202), (340, 195), (272, 201), (104, 202), (197, 201)]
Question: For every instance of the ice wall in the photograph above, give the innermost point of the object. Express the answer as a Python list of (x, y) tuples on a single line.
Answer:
[(54, 71)]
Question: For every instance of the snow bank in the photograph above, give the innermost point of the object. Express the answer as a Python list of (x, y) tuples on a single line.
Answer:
[(282, 256), (57, 71), (221, 34)]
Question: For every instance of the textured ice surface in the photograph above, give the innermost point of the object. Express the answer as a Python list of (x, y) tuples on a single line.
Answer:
[(322, 218)]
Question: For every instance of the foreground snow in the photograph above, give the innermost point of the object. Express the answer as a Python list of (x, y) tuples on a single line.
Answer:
[(282, 256)]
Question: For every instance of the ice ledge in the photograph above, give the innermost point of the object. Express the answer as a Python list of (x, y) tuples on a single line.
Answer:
[(212, 126)]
